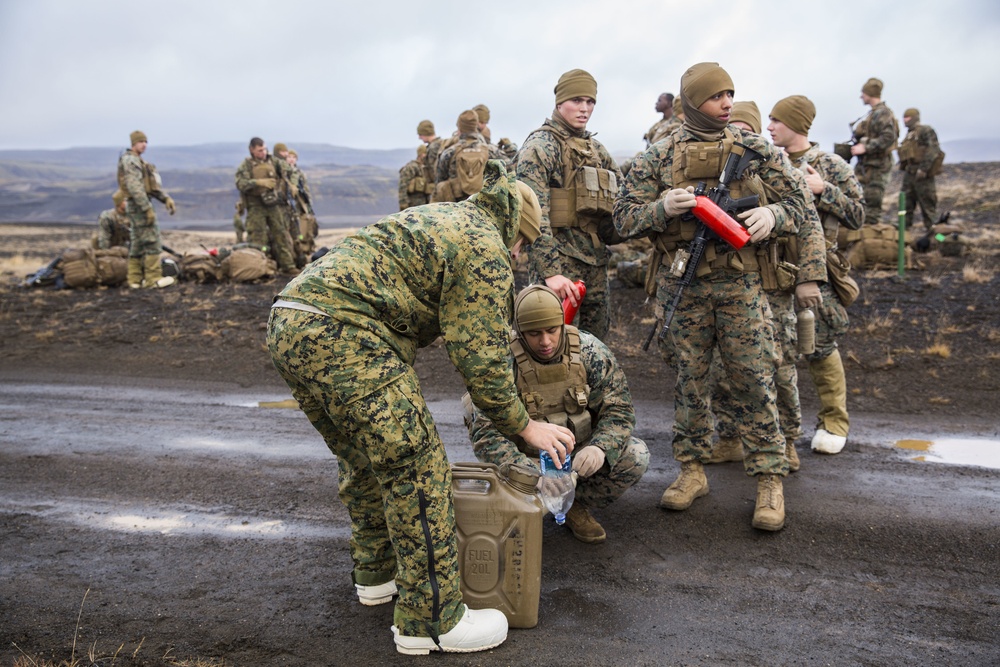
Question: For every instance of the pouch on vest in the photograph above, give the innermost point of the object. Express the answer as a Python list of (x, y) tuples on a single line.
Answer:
[(595, 191), (416, 184), (151, 180), (443, 192), (937, 166), (838, 271), (265, 170)]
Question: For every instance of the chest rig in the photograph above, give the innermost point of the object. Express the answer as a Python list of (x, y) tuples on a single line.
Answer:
[(555, 392), (587, 196)]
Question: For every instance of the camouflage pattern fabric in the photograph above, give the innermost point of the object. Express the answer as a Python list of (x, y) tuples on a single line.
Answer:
[(920, 192), (832, 323), (880, 132), (144, 236), (411, 170), (626, 457), (434, 149), (389, 289), (725, 309), (660, 130), (267, 226), (566, 250), (842, 196), (112, 229)]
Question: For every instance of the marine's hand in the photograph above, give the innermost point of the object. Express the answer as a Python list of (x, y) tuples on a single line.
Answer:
[(678, 200), (814, 180), (266, 183), (808, 295), (171, 206), (588, 460), (858, 149), (759, 222), (556, 440), (150, 215), (564, 287)]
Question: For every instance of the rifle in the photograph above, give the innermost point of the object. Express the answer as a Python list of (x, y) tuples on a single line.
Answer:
[(714, 212), (844, 149), (42, 274)]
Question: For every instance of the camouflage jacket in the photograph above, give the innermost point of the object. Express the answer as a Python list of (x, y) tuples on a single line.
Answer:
[(540, 166), (112, 229), (609, 402), (660, 130), (446, 164), (810, 242), (410, 171), (300, 190), (880, 130), (842, 198), (921, 140), (436, 270), (131, 171), (639, 208), (246, 184), (434, 149)]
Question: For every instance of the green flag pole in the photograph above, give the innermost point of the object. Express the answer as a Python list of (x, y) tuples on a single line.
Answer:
[(902, 235)]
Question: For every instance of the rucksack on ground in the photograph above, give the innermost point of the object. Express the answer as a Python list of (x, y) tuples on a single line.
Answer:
[(199, 266), (245, 265)]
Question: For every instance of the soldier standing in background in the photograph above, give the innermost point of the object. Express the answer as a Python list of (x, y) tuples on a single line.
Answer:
[(665, 106), (576, 181), (412, 181), (876, 138), (113, 225), (507, 147), (261, 180), (435, 144), (550, 359), (344, 336), (304, 241), (920, 159), (725, 306), (839, 201), (139, 181), (460, 167)]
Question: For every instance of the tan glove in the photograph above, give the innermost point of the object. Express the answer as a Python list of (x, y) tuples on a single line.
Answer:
[(808, 295), (588, 460), (150, 216), (266, 183), (759, 222), (171, 206), (678, 200)]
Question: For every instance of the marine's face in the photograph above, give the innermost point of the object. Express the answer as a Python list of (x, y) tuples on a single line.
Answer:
[(140, 147), (780, 134), (292, 159), (718, 106), (543, 343), (866, 99), (577, 111), (663, 103), (259, 152)]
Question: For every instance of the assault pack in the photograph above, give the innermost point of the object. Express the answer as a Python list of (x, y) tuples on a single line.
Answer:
[(469, 161)]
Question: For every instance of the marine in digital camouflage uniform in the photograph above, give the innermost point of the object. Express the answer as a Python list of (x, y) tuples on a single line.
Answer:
[(725, 306), (610, 459), (136, 181), (344, 335), (304, 238), (567, 252), (435, 144), (468, 135), (876, 136), (659, 130), (917, 155), (413, 182), (803, 275), (113, 225), (266, 224)]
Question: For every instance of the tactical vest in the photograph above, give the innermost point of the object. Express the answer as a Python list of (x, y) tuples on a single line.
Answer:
[(151, 181), (265, 169), (697, 162), (587, 197), (555, 392)]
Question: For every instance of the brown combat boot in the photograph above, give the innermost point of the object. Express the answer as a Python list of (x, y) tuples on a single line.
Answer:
[(792, 455), (726, 450), (584, 526), (769, 514), (690, 484)]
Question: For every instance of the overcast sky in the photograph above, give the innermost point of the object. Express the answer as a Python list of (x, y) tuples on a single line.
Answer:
[(363, 74)]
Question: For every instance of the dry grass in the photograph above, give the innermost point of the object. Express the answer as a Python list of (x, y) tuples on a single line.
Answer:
[(877, 393), (938, 350), (939, 400), (931, 281), (878, 325), (977, 272)]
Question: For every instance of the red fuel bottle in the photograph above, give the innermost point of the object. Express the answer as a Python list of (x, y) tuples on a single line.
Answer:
[(570, 310), (719, 222)]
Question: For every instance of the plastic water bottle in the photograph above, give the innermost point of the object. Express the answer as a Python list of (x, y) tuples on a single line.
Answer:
[(805, 331), (556, 486)]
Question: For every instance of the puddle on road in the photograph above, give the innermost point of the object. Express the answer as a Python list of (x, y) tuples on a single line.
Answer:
[(96, 514), (958, 451)]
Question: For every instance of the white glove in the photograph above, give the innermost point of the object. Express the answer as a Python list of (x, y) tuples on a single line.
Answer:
[(588, 460), (678, 201), (759, 222), (808, 295)]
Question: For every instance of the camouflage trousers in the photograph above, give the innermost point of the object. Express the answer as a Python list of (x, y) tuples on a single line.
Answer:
[(786, 375), (394, 476), (145, 236), (267, 228), (874, 179), (615, 476), (832, 322), (920, 192), (595, 311), (728, 311)]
